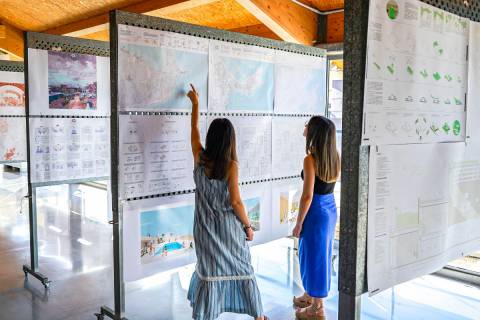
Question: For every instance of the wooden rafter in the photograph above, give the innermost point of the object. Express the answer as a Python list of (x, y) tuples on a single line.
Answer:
[(99, 22), (11, 41), (290, 21), (259, 30)]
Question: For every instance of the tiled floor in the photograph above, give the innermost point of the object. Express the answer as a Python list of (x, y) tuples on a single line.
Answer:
[(76, 249)]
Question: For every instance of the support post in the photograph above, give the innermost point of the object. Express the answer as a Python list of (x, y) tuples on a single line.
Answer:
[(32, 203), (354, 193), (118, 282)]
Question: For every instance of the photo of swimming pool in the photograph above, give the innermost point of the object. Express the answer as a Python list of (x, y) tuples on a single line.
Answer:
[(166, 232), (253, 210)]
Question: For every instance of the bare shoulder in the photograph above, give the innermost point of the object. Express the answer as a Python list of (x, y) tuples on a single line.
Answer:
[(232, 169), (233, 165), (309, 160)]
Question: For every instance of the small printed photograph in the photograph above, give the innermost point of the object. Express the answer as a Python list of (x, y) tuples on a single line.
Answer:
[(12, 95), (166, 232), (72, 81), (253, 210), (289, 206)]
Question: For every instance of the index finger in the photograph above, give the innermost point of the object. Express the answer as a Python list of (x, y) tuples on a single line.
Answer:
[(193, 88)]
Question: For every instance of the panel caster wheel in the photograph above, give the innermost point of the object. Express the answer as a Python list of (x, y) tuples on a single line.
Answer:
[(46, 285), (99, 316)]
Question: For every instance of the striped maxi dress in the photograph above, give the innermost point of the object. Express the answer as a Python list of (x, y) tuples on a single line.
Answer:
[(224, 279)]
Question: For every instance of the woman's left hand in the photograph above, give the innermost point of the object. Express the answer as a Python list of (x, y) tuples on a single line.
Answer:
[(193, 95), (297, 230), (249, 233)]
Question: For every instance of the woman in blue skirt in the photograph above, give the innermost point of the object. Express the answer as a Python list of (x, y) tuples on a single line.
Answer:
[(317, 216), (223, 280)]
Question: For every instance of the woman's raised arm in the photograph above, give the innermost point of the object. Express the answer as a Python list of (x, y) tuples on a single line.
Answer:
[(195, 131)]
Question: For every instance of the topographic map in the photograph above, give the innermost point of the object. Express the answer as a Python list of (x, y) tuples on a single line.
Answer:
[(300, 90), (240, 84), (155, 75)]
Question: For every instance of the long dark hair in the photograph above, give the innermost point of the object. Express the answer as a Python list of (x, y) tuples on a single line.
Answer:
[(220, 148), (322, 145)]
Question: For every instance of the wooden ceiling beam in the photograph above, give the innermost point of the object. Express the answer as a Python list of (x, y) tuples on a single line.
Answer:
[(11, 41), (335, 30), (290, 21), (99, 22), (259, 30)]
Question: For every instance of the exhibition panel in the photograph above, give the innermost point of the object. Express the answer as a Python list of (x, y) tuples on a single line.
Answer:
[(416, 74), (237, 77), (407, 86), (13, 144), (423, 191), (68, 110)]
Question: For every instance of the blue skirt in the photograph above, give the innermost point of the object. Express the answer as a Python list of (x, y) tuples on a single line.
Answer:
[(316, 245)]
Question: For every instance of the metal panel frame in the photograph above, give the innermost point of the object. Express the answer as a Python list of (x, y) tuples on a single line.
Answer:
[(132, 19), (34, 40), (11, 66)]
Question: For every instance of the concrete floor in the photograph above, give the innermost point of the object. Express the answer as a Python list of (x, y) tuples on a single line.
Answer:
[(75, 253)]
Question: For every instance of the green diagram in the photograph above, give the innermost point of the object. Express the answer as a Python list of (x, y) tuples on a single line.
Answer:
[(421, 127), (448, 77), (410, 70), (438, 14), (456, 127), (448, 18), (434, 129), (424, 73), (446, 128), (425, 11), (392, 9), (391, 68), (437, 48), (437, 76), (458, 102)]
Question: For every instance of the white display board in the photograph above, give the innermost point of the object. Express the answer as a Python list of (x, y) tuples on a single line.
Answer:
[(235, 81), (416, 74), (257, 201), (288, 145), (158, 235), (13, 144), (156, 68), (254, 146), (69, 148), (473, 112), (423, 210), (285, 205), (12, 93), (241, 78), (155, 154), (300, 84), (68, 84)]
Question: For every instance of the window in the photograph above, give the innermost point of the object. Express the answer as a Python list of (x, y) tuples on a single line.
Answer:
[(334, 112)]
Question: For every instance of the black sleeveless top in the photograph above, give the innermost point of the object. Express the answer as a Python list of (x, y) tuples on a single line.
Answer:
[(322, 187)]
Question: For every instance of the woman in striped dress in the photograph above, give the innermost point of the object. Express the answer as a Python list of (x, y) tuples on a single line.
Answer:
[(224, 279)]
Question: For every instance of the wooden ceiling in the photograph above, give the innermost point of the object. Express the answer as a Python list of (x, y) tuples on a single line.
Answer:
[(40, 15), (325, 5), (276, 19)]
